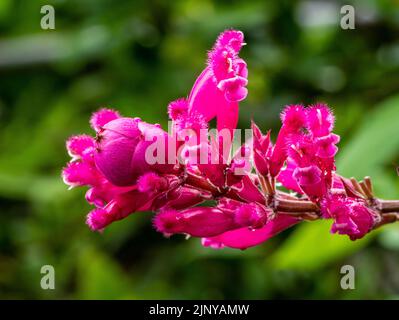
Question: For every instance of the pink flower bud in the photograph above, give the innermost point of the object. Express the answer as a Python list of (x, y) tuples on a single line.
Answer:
[(244, 238), (184, 197), (77, 145), (116, 146), (121, 150), (320, 120), (294, 119), (100, 118), (252, 215), (197, 222), (177, 108), (121, 206), (78, 173), (351, 216)]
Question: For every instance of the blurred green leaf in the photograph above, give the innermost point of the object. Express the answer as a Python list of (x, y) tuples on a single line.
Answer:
[(374, 145), (389, 238), (312, 246), (101, 278)]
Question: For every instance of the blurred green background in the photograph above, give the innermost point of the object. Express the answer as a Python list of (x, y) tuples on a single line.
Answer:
[(136, 56)]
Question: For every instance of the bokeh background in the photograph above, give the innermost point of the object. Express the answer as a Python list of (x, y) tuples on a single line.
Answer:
[(136, 56)]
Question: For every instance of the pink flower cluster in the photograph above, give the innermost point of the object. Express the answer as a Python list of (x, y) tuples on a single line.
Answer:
[(249, 208)]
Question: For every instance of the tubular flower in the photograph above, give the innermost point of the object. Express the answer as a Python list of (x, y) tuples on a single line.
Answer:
[(310, 153), (208, 222), (293, 119), (222, 84), (132, 166), (244, 238), (351, 216)]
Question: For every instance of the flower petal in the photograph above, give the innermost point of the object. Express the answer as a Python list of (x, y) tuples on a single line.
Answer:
[(245, 237)]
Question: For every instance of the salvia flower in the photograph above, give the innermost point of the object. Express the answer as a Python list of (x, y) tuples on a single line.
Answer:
[(130, 166), (222, 84), (351, 216)]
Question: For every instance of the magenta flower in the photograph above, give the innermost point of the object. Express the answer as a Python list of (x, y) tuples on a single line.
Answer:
[(293, 119), (132, 166), (310, 152), (104, 164), (351, 216), (244, 238), (310, 180), (262, 150), (197, 222), (121, 150), (222, 84), (320, 120)]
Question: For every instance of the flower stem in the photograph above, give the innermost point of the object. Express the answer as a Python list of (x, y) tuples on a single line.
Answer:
[(199, 182), (387, 218), (386, 206), (296, 206)]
